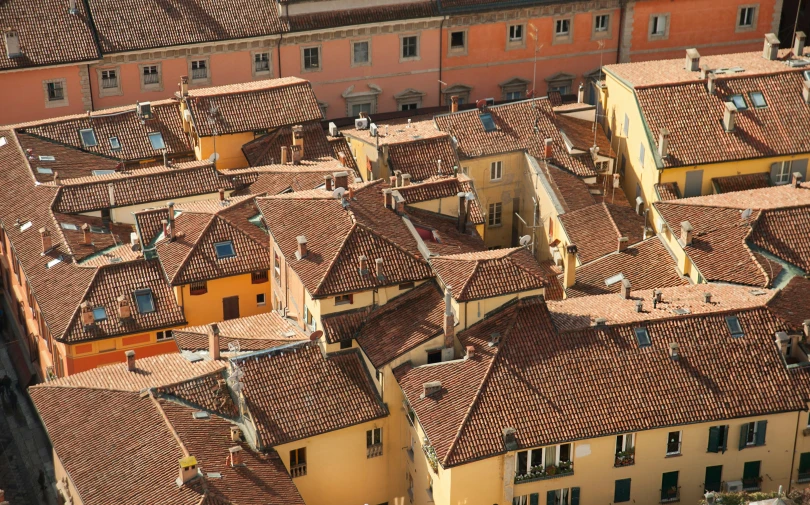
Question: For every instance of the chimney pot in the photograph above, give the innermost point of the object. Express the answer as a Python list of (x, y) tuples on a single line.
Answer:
[(439, 167), (379, 268), (88, 319), (770, 51), (302, 247), (342, 159), (184, 85), (707, 297), (462, 212), (56, 180), (221, 195), (297, 154), (581, 93), (686, 233), (729, 115), (363, 264), (626, 289), (124, 309), (86, 239), (547, 148), (213, 341), (236, 434), (235, 455), (328, 182), (454, 103), (798, 44), (398, 175), (387, 198), (47, 243), (285, 155), (570, 274), (431, 388), (623, 243), (796, 179), (400, 204), (673, 351), (170, 209), (342, 180), (111, 191), (692, 60), (188, 470), (167, 229), (470, 351), (639, 305), (130, 360), (449, 318), (663, 143), (298, 138), (406, 180), (710, 84)]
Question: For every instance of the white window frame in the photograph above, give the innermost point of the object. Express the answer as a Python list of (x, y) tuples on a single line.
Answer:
[(495, 209), (628, 441), (261, 73), (496, 170), (352, 44), (754, 18), (165, 335), (55, 103), (658, 35), (784, 175), (751, 439), (680, 443), (543, 451), (261, 300), (516, 43), (200, 62), (457, 51), (402, 38), (155, 86), (563, 37), (304, 50), (603, 33)]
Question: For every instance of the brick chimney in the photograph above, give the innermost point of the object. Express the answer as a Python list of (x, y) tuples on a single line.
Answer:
[(406, 180), (663, 143), (387, 198), (302, 247), (462, 212), (87, 314), (235, 456), (327, 182), (454, 103), (449, 318), (547, 148), (170, 218), (379, 269), (692, 60), (167, 231), (86, 238), (221, 195), (130, 360), (184, 85), (362, 264), (124, 308), (298, 138), (342, 180), (188, 470), (623, 241), (796, 179), (798, 44), (729, 115), (570, 274), (342, 159), (398, 175), (213, 341), (285, 155), (625, 292), (47, 243), (770, 50), (686, 233), (806, 92)]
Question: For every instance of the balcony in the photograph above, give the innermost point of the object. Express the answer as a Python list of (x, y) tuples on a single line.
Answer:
[(625, 459), (433, 460), (540, 472), (671, 495), (803, 477), (298, 470), (754, 484), (374, 450)]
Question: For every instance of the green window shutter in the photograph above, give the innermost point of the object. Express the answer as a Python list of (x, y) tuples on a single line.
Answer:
[(621, 492), (714, 439), (534, 499), (574, 496), (761, 427), (724, 443), (804, 462), (743, 435), (551, 498), (751, 470), (801, 167)]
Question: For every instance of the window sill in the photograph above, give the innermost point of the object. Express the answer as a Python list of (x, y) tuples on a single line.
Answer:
[(457, 52), (494, 226), (673, 455), (409, 58), (310, 70), (601, 35), (654, 38), (743, 29)]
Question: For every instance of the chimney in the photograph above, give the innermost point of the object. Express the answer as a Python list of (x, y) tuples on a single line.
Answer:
[(327, 182), (431, 388), (692, 60), (406, 180), (399, 202), (771, 49), (298, 138), (798, 44), (170, 208), (729, 115), (236, 434), (297, 154), (130, 360), (806, 327), (796, 179), (235, 455), (167, 229), (342, 159), (56, 180), (111, 191), (379, 269), (707, 297), (12, 44), (673, 351), (124, 309), (86, 239), (184, 85), (221, 195), (87, 315), (623, 243), (302, 247), (188, 470), (439, 167), (547, 148), (710, 83), (454, 103), (47, 243), (663, 143), (639, 305), (581, 93), (686, 233), (387, 198), (342, 180), (398, 175), (362, 264), (462, 212), (213, 341), (285, 155), (449, 319), (805, 95), (570, 275), (71, 10), (626, 289)]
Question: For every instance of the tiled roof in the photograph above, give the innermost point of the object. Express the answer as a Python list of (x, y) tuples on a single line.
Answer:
[(209, 392), (140, 186), (554, 288), (75, 43), (693, 118), (646, 265), (111, 236), (667, 191), (369, 15), (336, 238), (419, 158), (296, 392), (276, 179), (253, 333), (435, 188), (583, 133), (118, 279), (785, 233), (191, 256), (273, 103), (70, 161), (487, 274), (121, 26), (440, 234), (150, 224), (341, 145), (398, 130), (741, 182), (571, 191), (792, 302), (774, 197), (519, 126), (266, 150), (596, 229), (465, 421), (122, 123), (343, 326)]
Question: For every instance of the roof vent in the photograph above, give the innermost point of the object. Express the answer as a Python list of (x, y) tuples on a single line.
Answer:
[(494, 339), (130, 354), (639, 305), (302, 247), (770, 51), (663, 143), (729, 114), (625, 290), (673, 351), (692, 60), (431, 388), (362, 264), (188, 470), (707, 297), (124, 309), (144, 110), (600, 321), (798, 44), (686, 233)]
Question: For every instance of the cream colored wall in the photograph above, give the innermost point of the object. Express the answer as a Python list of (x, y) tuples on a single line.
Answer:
[(469, 313), (62, 476), (802, 446), (127, 214), (670, 239), (446, 206), (229, 148), (207, 308)]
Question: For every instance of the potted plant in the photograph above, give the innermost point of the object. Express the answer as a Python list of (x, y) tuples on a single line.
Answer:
[(551, 470)]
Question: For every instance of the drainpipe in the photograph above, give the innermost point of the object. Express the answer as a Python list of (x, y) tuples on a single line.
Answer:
[(622, 7), (90, 83), (441, 39), (793, 457), (281, 37)]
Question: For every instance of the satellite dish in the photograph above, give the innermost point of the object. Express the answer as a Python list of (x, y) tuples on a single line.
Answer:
[(525, 240), (315, 335), (746, 213), (338, 193), (213, 157)]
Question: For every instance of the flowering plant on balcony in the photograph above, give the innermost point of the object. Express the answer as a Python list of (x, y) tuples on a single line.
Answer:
[(625, 458), (545, 472), (433, 460)]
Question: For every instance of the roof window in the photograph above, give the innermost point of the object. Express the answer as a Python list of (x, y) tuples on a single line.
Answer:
[(643, 337), (69, 226), (115, 144), (145, 301), (99, 313), (156, 139), (47, 158), (488, 122), (98, 229), (43, 170), (26, 225), (734, 326), (224, 249), (758, 99), (103, 172), (88, 137), (614, 279), (2, 141), (739, 101), (54, 262)]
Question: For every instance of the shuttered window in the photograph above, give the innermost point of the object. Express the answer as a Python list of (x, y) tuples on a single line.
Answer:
[(718, 439), (622, 491), (753, 434)]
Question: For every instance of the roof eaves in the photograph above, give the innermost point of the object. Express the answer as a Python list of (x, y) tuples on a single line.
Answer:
[(173, 279), (318, 288)]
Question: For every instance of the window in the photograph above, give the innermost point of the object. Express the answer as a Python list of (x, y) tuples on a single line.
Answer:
[(558, 497), (516, 33), (751, 476), (434, 356), (562, 27), (562, 86), (758, 99), (523, 500), (199, 70), (276, 264), (713, 479), (753, 434), (514, 95), (734, 326), (360, 53), (625, 450), (536, 461), (260, 300), (641, 153), (658, 25), (99, 313), (357, 108), (298, 462), (151, 75), (103, 172), (374, 443), (669, 487), (312, 58), (407, 106), (494, 218), (673, 443), (88, 137), (487, 122), (643, 337), (410, 47), (259, 277), (224, 250), (781, 172), (738, 101), (47, 158), (145, 301), (495, 171), (156, 139), (109, 79), (56, 91), (343, 299), (718, 438), (747, 17), (621, 493), (115, 144), (261, 63), (804, 467), (346, 344), (165, 335), (198, 288), (601, 23), (458, 42)]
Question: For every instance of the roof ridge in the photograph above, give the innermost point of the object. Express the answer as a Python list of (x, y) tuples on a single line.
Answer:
[(168, 423), (74, 317), (334, 258), (745, 238), (64, 144), (191, 250), (466, 284), (393, 243)]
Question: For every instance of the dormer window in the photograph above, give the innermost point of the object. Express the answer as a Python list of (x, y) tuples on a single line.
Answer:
[(734, 326), (739, 102), (115, 144), (145, 301), (488, 122), (758, 99), (88, 137), (99, 313), (224, 250), (156, 139), (103, 172)]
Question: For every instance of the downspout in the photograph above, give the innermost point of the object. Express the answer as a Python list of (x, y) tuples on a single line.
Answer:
[(793, 457), (90, 83), (441, 38), (622, 7), (280, 38)]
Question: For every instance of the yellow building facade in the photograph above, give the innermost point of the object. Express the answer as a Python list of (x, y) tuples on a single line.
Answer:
[(210, 306)]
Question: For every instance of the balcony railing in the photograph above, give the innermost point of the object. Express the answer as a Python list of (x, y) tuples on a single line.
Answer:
[(151, 78), (625, 459), (671, 495), (754, 484), (298, 470), (540, 472), (804, 477), (199, 73), (374, 450)]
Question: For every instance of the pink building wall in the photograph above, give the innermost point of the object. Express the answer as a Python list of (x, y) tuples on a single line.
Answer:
[(22, 94)]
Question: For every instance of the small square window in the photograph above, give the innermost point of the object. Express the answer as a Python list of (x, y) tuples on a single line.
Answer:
[(346, 344), (199, 70), (600, 23), (758, 99), (410, 47), (408, 106), (357, 108), (99, 313), (739, 101), (88, 137), (145, 301), (562, 27), (643, 337), (746, 19), (312, 58), (673, 443), (56, 91), (224, 250), (198, 288), (514, 95), (457, 40), (156, 139), (360, 52), (516, 33), (261, 63), (260, 300), (488, 122), (658, 25), (151, 75), (109, 79), (115, 144), (165, 335), (343, 299)]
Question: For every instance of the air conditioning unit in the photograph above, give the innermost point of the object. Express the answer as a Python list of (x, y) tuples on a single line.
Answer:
[(144, 110), (333, 130), (361, 123), (733, 486), (373, 130)]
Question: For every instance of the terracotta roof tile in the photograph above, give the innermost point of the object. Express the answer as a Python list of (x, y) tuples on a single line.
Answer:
[(487, 274), (70, 161), (150, 224), (343, 326), (667, 191), (341, 145), (440, 234), (296, 392), (571, 191), (266, 150), (740, 182), (276, 179), (792, 302), (554, 288), (596, 229), (369, 15), (582, 134), (253, 333), (774, 197), (419, 158), (435, 188), (785, 233), (209, 392), (398, 130), (103, 236)]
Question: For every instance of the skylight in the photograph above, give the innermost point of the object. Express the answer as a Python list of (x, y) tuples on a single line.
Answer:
[(115, 145), (224, 249), (43, 170), (734, 326), (98, 229), (47, 158), (614, 279), (88, 137), (69, 226), (488, 122), (145, 301), (643, 337), (758, 99), (2, 141), (25, 226), (103, 172), (739, 102), (99, 313), (54, 262), (156, 139)]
